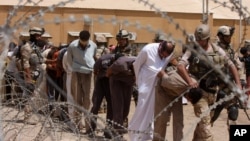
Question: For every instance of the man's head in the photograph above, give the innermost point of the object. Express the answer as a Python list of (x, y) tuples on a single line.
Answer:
[(84, 38), (245, 51), (202, 35), (42, 44), (36, 33), (122, 38), (225, 33), (12, 46), (166, 48)]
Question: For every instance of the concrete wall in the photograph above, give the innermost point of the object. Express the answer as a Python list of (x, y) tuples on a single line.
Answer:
[(59, 32)]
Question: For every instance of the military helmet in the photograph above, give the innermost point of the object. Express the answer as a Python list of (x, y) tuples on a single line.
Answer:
[(225, 30), (160, 37), (202, 32), (36, 30), (101, 38), (123, 34)]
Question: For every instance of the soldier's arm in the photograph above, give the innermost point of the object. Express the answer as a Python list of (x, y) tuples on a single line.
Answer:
[(182, 71), (232, 68), (184, 74), (27, 75), (235, 74), (26, 50), (161, 73), (240, 68)]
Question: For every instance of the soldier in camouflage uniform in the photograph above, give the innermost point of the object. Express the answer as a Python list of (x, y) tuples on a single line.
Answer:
[(225, 34), (123, 45), (28, 63), (200, 59), (101, 42), (120, 91), (245, 51)]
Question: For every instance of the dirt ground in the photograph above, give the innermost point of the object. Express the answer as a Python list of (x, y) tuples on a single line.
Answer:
[(29, 131), (219, 129)]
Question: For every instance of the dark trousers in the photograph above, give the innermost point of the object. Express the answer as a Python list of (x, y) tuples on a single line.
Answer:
[(55, 88), (101, 91), (9, 79), (121, 96)]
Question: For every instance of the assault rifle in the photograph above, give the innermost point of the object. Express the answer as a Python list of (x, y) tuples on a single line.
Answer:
[(243, 107)]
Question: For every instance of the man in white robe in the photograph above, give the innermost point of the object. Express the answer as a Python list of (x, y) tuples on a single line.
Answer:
[(151, 59)]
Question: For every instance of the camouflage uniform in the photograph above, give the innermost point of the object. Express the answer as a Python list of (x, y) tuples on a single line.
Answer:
[(198, 69), (101, 42), (201, 60), (101, 50), (225, 33), (29, 60), (121, 83)]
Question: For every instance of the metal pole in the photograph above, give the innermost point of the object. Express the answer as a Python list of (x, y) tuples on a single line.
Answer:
[(207, 14), (203, 11), (240, 26)]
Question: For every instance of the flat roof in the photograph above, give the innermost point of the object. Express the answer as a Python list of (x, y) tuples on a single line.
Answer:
[(26, 34), (179, 6)]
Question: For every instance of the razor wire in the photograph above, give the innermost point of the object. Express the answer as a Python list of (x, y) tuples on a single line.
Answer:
[(8, 32)]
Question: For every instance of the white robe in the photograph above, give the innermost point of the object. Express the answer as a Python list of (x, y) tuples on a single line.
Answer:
[(146, 66), (68, 71)]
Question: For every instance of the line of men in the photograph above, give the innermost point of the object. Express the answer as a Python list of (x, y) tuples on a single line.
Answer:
[(70, 68), (118, 71)]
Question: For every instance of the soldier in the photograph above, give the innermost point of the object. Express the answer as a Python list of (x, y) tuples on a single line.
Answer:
[(101, 42), (196, 57), (245, 51), (28, 60), (122, 48), (123, 45), (225, 34)]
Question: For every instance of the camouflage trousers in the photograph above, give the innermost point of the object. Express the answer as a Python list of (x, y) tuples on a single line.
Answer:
[(201, 109)]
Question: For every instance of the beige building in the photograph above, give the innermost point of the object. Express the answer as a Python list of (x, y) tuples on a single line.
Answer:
[(63, 21)]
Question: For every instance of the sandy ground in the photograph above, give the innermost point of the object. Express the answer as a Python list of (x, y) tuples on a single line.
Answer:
[(219, 129), (10, 129)]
